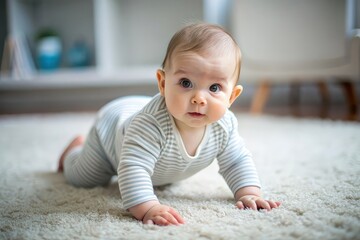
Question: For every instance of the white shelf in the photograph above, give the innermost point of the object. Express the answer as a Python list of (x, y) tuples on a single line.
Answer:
[(72, 19), (80, 78), (74, 90), (120, 33), (127, 39)]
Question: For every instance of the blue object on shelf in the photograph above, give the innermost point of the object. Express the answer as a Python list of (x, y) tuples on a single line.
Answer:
[(49, 53), (79, 55)]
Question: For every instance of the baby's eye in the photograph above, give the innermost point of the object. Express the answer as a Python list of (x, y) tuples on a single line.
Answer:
[(215, 88), (185, 83)]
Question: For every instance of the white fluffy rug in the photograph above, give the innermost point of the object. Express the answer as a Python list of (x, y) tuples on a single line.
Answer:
[(312, 166)]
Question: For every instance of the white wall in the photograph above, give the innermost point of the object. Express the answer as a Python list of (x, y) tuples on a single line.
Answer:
[(136, 32)]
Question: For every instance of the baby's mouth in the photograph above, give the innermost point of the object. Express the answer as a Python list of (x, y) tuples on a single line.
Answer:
[(196, 114)]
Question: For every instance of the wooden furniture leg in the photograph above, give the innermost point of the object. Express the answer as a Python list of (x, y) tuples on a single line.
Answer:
[(325, 98), (350, 93), (260, 98), (295, 98)]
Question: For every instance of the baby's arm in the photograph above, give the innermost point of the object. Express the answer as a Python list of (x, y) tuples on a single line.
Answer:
[(152, 212), (141, 148), (250, 197)]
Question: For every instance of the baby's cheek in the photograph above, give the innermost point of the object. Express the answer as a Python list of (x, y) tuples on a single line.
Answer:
[(175, 106), (217, 111)]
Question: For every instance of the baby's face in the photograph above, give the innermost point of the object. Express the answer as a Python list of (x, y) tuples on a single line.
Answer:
[(198, 89)]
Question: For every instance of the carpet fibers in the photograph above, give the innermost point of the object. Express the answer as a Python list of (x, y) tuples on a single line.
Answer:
[(311, 166)]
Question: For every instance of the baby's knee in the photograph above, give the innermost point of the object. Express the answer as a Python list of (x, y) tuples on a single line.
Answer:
[(79, 180)]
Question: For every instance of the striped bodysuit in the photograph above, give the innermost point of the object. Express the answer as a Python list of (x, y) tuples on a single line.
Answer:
[(136, 139)]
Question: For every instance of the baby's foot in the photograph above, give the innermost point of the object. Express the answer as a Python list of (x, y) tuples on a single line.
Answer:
[(78, 141)]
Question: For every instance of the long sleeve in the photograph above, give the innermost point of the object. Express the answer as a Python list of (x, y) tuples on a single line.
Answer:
[(235, 161), (141, 149)]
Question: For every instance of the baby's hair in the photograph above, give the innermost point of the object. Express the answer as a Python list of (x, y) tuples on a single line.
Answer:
[(200, 38)]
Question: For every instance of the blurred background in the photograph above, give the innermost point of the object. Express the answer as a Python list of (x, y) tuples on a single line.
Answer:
[(300, 58)]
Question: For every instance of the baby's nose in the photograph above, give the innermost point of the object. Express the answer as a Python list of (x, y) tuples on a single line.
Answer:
[(198, 99)]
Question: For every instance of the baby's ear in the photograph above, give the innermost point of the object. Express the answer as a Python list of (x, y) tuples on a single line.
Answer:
[(160, 75), (235, 93)]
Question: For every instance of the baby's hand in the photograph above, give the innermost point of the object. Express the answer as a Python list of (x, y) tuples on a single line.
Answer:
[(162, 215), (255, 203)]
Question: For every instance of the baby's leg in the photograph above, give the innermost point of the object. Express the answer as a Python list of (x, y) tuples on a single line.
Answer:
[(87, 165), (77, 141)]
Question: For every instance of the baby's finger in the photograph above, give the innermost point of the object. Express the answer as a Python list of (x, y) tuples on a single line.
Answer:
[(176, 215), (170, 218), (250, 203), (261, 203), (240, 204), (150, 222), (159, 220), (272, 204)]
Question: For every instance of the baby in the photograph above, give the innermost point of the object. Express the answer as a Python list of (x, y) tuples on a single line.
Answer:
[(156, 141)]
